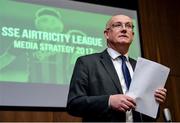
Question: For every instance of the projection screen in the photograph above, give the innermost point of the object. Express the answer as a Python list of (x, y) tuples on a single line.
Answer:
[(40, 41)]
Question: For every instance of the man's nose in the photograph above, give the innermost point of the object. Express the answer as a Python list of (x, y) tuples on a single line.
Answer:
[(123, 30)]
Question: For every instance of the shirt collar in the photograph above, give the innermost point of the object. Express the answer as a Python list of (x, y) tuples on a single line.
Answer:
[(114, 54)]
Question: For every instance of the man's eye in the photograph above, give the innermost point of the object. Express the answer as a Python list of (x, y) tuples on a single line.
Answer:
[(117, 25)]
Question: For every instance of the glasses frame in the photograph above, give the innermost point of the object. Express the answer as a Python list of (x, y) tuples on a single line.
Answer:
[(120, 26)]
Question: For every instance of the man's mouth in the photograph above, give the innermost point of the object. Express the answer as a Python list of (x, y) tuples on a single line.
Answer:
[(123, 36)]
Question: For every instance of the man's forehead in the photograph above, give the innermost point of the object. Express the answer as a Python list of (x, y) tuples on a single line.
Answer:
[(121, 18)]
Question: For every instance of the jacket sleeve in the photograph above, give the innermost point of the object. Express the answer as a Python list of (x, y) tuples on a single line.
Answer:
[(80, 103)]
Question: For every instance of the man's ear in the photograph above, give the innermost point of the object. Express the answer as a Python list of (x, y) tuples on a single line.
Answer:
[(133, 35), (106, 34)]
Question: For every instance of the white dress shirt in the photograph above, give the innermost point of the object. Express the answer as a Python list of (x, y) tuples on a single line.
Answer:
[(117, 62)]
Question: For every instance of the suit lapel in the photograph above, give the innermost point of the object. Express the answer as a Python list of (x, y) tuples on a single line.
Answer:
[(133, 63), (107, 63)]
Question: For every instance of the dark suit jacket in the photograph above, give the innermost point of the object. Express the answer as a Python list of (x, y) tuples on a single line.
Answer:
[(94, 79)]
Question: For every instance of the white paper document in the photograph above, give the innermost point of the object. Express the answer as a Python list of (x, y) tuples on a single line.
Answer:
[(148, 76)]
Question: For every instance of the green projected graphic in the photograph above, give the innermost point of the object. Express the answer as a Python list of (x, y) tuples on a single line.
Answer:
[(40, 44)]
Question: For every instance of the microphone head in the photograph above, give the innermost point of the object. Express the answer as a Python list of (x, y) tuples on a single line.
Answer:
[(167, 115)]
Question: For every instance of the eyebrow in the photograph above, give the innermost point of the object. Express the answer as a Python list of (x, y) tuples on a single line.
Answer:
[(124, 23)]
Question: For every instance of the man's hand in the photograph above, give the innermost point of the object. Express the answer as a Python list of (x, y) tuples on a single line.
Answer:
[(160, 95), (121, 102)]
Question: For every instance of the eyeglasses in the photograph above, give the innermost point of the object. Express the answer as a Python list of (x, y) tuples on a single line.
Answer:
[(119, 25)]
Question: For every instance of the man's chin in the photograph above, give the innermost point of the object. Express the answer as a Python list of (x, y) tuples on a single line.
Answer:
[(124, 42)]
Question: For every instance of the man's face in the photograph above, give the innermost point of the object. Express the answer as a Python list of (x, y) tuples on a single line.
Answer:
[(119, 31)]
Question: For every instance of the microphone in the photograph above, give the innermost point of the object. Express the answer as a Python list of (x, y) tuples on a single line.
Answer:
[(167, 115)]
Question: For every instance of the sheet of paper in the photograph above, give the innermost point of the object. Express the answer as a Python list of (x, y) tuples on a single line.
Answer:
[(147, 77)]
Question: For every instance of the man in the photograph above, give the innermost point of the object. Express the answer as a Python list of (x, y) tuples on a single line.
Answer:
[(98, 84)]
